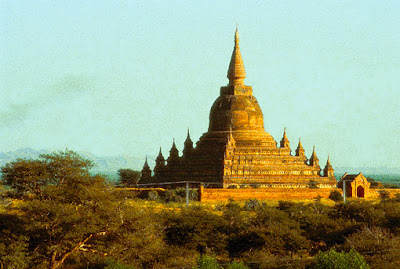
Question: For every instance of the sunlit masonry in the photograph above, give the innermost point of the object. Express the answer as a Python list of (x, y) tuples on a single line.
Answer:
[(236, 149)]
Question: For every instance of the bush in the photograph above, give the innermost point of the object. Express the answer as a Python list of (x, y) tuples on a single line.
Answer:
[(384, 194), (371, 240), (237, 265), (111, 264), (251, 204), (396, 197), (285, 205), (336, 196), (339, 260), (152, 195), (171, 196), (208, 262), (179, 195)]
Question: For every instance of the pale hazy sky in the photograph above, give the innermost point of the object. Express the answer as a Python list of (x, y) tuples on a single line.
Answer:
[(126, 77)]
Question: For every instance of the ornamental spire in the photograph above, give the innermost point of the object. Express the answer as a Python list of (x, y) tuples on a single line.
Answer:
[(328, 170), (300, 149), (236, 72), (146, 164), (314, 161), (285, 140)]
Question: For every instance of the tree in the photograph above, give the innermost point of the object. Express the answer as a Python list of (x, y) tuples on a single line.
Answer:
[(28, 178), (208, 262), (13, 244), (339, 260), (128, 177), (335, 196), (66, 211)]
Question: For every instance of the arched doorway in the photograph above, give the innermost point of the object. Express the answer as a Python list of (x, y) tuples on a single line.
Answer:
[(360, 192)]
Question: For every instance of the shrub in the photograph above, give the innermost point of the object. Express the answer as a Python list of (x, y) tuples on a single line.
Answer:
[(237, 265), (171, 196), (376, 185), (360, 211), (371, 240), (208, 262), (336, 196), (153, 195), (111, 264), (284, 205), (384, 194), (339, 260), (396, 197), (251, 204)]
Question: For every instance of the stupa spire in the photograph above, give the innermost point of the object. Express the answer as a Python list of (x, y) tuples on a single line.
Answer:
[(188, 146), (236, 72), (285, 140), (300, 150), (328, 170), (314, 161), (146, 164)]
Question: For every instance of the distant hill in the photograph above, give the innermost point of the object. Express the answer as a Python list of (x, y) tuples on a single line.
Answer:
[(102, 163), (114, 163)]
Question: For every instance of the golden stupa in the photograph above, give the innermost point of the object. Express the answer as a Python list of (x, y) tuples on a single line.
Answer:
[(236, 149)]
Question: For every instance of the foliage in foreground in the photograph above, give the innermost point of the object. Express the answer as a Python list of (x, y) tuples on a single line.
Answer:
[(340, 260), (57, 215)]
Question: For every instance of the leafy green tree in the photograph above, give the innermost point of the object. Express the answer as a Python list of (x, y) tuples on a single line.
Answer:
[(372, 240), (28, 178), (128, 177), (294, 242), (197, 229), (339, 260), (360, 211), (375, 184), (208, 262), (246, 241), (13, 247), (336, 196), (66, 211)]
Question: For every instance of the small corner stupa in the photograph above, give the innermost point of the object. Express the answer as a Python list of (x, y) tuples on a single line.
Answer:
[(236, 149)]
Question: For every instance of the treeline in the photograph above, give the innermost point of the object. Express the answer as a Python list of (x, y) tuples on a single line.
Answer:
[(54, 214)]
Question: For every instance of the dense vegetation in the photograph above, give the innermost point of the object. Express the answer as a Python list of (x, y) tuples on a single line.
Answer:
[(54, 214)]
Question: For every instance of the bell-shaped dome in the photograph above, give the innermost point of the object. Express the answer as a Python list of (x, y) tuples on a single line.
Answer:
[(239, 112)]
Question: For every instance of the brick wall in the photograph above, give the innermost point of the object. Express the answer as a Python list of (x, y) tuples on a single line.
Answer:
[(264, 194)]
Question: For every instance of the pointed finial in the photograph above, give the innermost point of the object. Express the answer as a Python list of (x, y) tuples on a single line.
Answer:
[(236, 35), (236, 72), (188, 133), (188, 141), (173, 143), (146, 164)]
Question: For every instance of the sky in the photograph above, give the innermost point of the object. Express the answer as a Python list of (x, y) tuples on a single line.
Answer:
[(126, 77)]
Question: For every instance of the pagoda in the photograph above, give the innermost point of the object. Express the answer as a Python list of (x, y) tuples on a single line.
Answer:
[(236, 149)]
